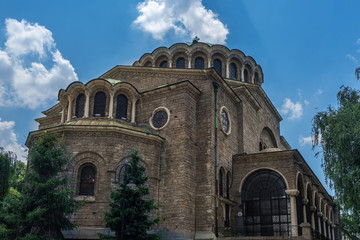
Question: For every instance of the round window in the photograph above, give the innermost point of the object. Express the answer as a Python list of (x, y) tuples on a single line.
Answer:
[(159, 118), (225, 121)]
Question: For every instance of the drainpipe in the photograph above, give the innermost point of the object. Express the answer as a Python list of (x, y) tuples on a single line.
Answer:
[(216, 88)]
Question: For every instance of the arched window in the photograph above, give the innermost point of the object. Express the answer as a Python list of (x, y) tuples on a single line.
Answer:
[(246, 76), (221, 193), (228, 185), (233, 71), (164, 64), (87, 180), (299, 205), (266, 207), (80, 105), (199, 63), (316, 218), (308, 212), (257, 80), (121, 106), (217, 66), (180, 62), (99, 104)]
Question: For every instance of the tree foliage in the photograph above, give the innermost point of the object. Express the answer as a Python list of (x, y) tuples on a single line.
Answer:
[(43, 207), (337, 131), (137, 206)]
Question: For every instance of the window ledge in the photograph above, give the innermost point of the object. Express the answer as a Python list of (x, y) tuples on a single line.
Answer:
[(85, 198)]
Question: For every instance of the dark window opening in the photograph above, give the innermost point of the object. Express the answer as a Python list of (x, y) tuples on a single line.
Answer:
[(121, 107), (87, 180), (266, 205), (221, 193), (217, 66), (199, 63), (299, 207), (233, 71), (228, 185), (246, 76), (227, 215), (257, 78), (80, 105), (99, 104), (308, 212), (164, 64), (180, 63)]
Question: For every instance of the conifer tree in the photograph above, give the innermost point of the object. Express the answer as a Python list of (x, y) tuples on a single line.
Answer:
[(44, 205), (137, 207)]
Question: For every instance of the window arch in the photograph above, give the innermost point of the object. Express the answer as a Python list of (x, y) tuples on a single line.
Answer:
[(164, 64), (308, 212), (180, 62), (87, 175), (199, 63), (218, 66), (233, 71), (99, 104), (121, 107), (266, 205), (80, 105)]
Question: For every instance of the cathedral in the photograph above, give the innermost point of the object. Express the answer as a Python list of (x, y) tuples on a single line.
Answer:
[(210, 139)]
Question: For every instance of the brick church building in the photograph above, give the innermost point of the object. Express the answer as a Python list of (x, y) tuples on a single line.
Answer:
[(210, 140)]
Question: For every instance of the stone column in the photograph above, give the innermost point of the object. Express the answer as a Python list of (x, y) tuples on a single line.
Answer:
[(209, 63), (292, 193), (242, 74), (333, 226), (305, 202), (133, 110), (170, 63), (63, 114), (319, 221), (69, 109), (325, 228), (111, 105), (189, 62), (87, 104), (313, 209), (227, 67)]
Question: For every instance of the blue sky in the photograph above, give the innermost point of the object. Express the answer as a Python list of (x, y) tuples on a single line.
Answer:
[(307, 50)]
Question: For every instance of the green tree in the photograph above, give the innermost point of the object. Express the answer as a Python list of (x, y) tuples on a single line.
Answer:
[(6, 171), (43, 207), (337, 131), (137, 207)]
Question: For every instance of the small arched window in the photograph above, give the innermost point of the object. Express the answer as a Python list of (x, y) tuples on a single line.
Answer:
[(246, 75), (99, 104), (199, 63), (308, 212), (164, 64), (121, 106), (257, 80), (217, 66), (87, 180), (80, 105), (233, 71), (180, 62), (299, 204), (221, 192)]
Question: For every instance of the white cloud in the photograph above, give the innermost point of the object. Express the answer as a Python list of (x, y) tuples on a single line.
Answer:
[(305, 141), (358, 41), (8, 139), (319, 92), (352, 58), (184, 17), (32, 70), (306, 102), (294, 110)]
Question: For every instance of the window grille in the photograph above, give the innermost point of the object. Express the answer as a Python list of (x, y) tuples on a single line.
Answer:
[(199, 63), (80, 105), (87, 180), (217, 66), (266, 205), (100, 104), (233, 71), (121, 106), (180, 63), (164, 64)]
